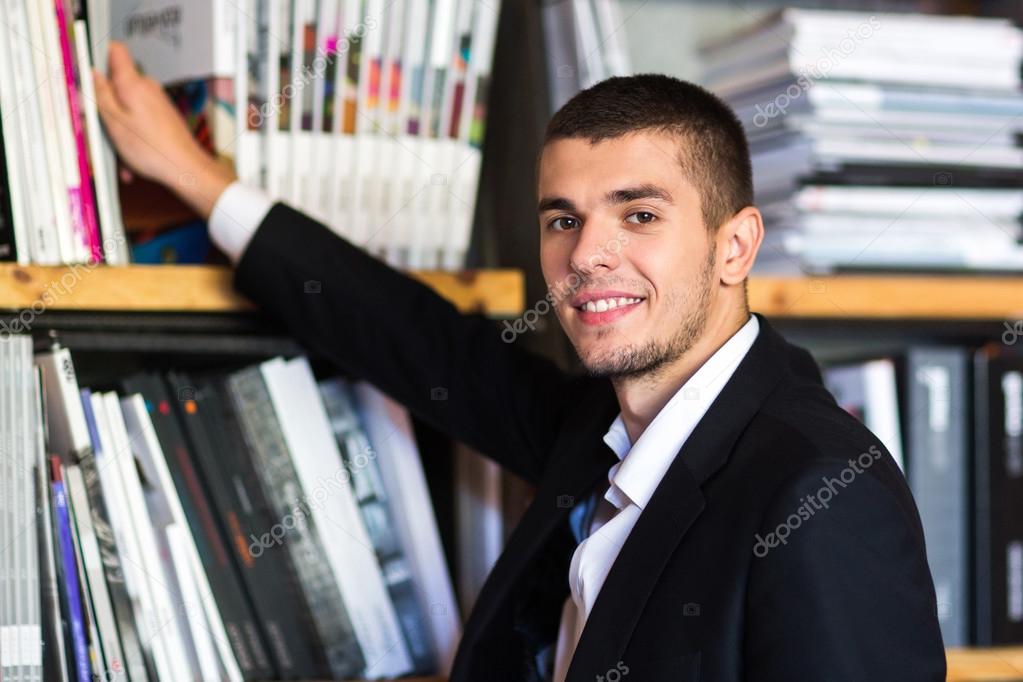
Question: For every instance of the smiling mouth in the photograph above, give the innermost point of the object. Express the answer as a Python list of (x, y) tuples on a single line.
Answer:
[(602, 305)]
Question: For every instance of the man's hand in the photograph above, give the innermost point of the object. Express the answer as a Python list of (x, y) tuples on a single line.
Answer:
[(151, 136)]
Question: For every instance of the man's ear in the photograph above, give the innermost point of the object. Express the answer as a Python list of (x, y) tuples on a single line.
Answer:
[(739, 240)]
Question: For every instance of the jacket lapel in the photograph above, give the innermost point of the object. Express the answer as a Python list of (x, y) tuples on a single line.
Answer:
[(676, 504)]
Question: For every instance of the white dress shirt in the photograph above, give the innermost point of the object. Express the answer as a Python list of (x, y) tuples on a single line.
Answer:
[(236, 215), (632, 482)]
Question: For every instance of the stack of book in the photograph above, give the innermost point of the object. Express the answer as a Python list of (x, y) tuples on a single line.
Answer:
[(255, 524), (880, 141), (367, 115), (584, 44), (58, 187), (953, 419)]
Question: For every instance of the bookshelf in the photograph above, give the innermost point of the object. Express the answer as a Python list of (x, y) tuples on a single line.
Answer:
[(208, 289), (889, 297), (985, 665), (501, 292)]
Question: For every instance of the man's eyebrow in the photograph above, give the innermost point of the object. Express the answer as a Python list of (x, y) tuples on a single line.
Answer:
[(555, 204), (647, 191)]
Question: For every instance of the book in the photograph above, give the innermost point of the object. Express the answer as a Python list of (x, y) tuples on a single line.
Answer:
[(868, 391), (306, 430), (283, 615), (212, 545), (998, 491), (390, 434), (296, 532), (359, 460), (937, 404)]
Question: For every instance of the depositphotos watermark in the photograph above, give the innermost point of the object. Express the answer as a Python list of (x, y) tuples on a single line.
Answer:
[(302, 509), (559, 292), (815, 71), (811, 504)]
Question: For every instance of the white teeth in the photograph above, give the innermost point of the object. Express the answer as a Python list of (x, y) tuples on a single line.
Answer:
[(604, 304)]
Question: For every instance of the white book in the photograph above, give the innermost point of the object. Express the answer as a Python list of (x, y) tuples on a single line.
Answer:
[(210, 640), (869, 391), (43, 233), (176, 41), (309, 437), (389, 429), (191, 605), (47, 67), (128, 550), (115, 241), (63, 405), (469, 159), (142, 560), (271, 121)]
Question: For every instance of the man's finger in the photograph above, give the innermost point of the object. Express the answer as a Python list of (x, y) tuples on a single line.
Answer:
[(106, 98), (122, 67)]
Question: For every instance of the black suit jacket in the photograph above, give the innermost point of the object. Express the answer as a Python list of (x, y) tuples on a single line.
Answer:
[(844, 593)]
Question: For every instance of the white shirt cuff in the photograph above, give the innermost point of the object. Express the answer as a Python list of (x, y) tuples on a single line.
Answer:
[(236, 215)]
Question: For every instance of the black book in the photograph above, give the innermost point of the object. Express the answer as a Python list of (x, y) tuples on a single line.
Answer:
[(235, 610), (998, 497), (283, 615)]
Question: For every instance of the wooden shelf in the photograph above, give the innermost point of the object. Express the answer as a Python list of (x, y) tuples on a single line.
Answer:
[(888, 297), (207, 289), (985, 665), (501, 293)]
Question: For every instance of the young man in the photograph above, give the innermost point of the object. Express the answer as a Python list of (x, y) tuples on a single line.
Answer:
[(704, 510)]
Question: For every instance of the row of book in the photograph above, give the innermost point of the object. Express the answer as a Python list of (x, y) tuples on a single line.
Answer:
[(368, 115), (58, 189), (953, 419), (254, 524), (880, 141)]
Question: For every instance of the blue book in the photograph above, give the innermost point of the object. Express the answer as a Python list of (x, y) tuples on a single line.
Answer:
[(69, 571)]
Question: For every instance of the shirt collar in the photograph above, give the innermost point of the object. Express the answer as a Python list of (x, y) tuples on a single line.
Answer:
[(642, 465)]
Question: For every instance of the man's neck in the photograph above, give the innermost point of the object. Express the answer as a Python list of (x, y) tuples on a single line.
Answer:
[(642, 398)]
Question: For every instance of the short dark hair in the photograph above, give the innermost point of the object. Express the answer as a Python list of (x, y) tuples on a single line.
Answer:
[(714, 154)]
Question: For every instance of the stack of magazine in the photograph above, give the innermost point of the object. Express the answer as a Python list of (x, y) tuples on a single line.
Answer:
[(255, 524), (880, 141), (366, 114), (58, 188)]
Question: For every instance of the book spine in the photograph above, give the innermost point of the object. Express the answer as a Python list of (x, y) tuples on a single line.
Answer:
[(937, 411), (272, 460), (82, 200), (117, 587), (8, 241), (360, 461), (236, 612), (292, 639), (72, 594)]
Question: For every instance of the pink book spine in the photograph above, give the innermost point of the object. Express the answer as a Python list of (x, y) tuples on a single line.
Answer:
[(83, 203)]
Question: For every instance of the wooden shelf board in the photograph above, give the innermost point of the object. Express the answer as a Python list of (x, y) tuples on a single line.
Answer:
[(888, 297), (208, 289), (985, 665)]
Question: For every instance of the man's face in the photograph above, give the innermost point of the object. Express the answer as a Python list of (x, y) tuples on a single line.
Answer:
[(621, 231)]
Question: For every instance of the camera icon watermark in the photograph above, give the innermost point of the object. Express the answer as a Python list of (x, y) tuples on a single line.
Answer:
[(1013, 332)]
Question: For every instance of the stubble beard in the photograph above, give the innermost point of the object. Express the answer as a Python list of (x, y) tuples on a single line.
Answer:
[(630, 362)]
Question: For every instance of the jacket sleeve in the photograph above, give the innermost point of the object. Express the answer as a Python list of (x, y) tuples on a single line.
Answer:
[(839, 585), (452, 370)]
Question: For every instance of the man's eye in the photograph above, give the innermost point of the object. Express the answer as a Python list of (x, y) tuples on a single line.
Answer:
[(641, 217), (564, 223)]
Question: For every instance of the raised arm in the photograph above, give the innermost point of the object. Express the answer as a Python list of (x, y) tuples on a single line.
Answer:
[(452, 370)]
